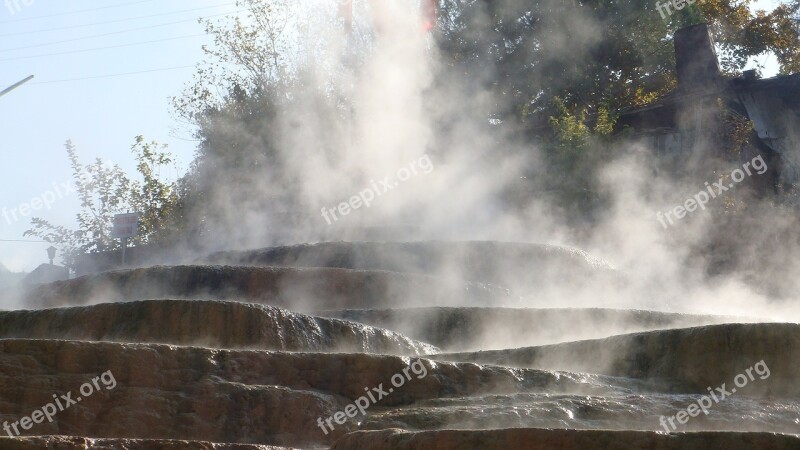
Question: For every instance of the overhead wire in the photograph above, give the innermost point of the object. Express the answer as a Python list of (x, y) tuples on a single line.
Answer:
[(102, 48), (17, 58), (112, 75), (22, 240), (112, 33), (76, 12), (106, 22)]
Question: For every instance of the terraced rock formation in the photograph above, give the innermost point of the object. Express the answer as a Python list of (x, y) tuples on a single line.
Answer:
[(523, 267), (465, 328), (533, 439), (212, 324), (78, 443), (698, 357), (191, 393), (382, 346), (300, 289)]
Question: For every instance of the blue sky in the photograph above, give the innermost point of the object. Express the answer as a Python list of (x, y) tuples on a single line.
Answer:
[(101, 116), (61, 40)]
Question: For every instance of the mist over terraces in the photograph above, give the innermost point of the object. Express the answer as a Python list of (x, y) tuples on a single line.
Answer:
[(212, 356), (425, 224)]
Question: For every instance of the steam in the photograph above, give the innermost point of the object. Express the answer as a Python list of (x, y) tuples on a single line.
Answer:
[(400, 104), (377, 99)]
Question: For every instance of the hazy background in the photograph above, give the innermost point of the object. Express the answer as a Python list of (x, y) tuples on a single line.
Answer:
[(101, 115)]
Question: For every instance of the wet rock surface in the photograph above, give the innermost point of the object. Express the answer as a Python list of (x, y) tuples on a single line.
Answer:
[(465, 328), (228, 360), (78, 443), (207, 323), (300, 289), (170, 392), (698, 357), (481, 261), (562, 440)]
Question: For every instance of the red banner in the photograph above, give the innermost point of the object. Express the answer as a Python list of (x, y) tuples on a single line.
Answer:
[(429, 14), (429, 8), (346, 13)]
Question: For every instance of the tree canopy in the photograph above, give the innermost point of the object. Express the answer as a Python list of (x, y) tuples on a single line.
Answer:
[(106, 190), (560, 68)]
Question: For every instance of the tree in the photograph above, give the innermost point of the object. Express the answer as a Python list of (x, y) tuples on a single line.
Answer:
[(597, 52), (240, 101), (561, 69), (105, 191), (576, 61), (249, 57)]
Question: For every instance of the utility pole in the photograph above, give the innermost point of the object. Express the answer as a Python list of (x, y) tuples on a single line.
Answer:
[(15, 85)]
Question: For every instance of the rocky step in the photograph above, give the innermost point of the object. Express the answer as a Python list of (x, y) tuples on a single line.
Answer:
[(523, 267), (543, 439), (474, 328), (698, 357), (606, 407), (155, 391), (298, 289), (80, 443), (206, 323)]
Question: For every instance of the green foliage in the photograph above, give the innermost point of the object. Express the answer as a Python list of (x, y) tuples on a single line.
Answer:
[(595, 52), (241, 102), (254, 57), (577, 147), (743, 33), (154, 199), (566, 66), (104, 191), (571, 131)]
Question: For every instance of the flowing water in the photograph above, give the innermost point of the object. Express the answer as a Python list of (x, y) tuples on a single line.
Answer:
[(260, 348)]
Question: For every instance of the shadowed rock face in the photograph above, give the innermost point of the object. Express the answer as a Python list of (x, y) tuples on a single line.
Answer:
[(298, 289), (698, 357), (534, 439), (522, 267), (166, 392), (168, 396), (460, 329), (206, 323), (622, 407), (79, 443)]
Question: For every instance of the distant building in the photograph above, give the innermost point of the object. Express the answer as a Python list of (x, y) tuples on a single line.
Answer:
[(686, 126), (46, 273)]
